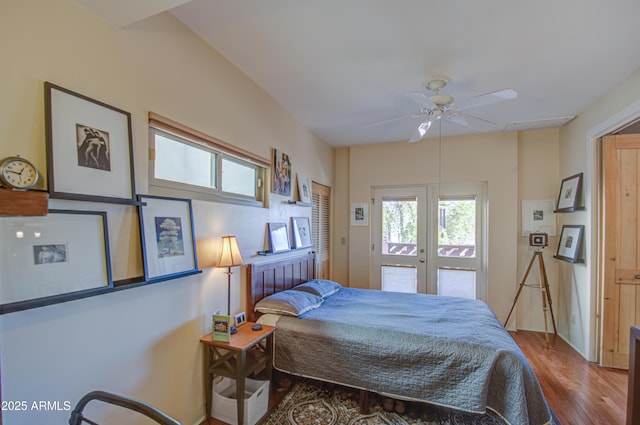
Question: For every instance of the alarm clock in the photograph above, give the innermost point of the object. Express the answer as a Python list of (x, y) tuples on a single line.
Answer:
[(18, 173)]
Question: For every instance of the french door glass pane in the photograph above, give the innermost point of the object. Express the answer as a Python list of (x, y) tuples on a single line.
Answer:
[(399, 226), (457, 283), (457, 227), (399, 279)]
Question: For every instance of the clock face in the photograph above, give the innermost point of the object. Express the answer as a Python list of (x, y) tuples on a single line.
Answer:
[(18, 173)]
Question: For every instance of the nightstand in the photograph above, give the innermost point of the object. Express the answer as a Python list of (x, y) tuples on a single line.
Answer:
[(247, 352)]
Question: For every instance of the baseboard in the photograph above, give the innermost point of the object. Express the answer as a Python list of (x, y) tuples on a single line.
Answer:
[(201, 420)]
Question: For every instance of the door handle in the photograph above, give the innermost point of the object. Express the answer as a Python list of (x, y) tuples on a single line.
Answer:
[(422, 261)]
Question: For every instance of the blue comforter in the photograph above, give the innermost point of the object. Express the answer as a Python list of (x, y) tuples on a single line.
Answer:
[(447, 351)]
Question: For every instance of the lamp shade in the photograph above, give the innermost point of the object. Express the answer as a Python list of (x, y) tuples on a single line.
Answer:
[(229, 253)]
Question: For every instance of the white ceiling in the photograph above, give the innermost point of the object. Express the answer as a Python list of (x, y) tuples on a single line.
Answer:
[(339, 66)]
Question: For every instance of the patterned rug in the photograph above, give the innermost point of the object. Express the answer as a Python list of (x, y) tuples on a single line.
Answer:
[(315, 403)]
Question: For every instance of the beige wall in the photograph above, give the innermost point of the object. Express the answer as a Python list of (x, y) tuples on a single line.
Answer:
[(538, 157), (139, 342), (578, 292), (491, 158)]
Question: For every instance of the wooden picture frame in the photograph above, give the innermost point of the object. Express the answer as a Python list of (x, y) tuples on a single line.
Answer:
[(570, 244), (89, 148), (301, 232), (278, 237), (54, 258), (570, 195), (168, 241)]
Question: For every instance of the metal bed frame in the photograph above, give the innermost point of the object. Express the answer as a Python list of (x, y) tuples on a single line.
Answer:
[(78, 418)]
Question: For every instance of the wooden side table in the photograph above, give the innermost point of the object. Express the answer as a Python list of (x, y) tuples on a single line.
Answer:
[(248, 351)]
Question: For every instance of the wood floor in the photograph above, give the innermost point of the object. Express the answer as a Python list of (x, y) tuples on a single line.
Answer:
[(579, 392)]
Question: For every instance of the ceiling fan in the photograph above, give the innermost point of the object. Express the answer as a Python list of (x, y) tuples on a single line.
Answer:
[(436, 106)]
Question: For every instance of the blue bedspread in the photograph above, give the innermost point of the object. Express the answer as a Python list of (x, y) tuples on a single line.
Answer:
[(447, 351)]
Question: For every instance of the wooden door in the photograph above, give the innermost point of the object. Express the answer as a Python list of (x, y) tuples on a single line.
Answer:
[(621, 286), (320, 223)]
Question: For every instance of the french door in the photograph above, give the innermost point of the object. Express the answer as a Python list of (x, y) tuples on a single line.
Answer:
[(399, 245), (429, 240)]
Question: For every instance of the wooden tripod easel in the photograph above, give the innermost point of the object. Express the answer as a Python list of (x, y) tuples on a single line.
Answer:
[(546, 293)]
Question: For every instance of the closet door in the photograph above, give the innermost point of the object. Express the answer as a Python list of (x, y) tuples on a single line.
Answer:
[(621, 305), (321, 225)]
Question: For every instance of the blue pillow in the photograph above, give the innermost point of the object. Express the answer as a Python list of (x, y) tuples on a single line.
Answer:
[(288, 303), (320, 287)]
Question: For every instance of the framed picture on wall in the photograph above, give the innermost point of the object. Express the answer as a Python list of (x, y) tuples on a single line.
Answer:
[(570, 245), (301, 230), (168, 242), (89, 148), (570, 195), (280, 173), (54, 258), (304, 189), (360, 214), (538, 217)]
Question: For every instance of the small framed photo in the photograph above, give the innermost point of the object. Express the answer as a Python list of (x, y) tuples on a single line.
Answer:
[(89, 148), (360, 214), (240, 319), (538, 217), (301, 230), (278, 237), (570, 195), (54, 258), (168, 243), (304, 189), (570, 245)]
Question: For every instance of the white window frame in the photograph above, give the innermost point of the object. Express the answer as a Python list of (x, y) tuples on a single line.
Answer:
[(182, 134)]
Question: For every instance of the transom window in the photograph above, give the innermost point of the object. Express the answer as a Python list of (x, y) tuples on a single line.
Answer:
[(186, 161)]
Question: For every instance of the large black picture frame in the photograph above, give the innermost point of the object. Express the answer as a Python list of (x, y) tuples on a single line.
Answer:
[(89, 148), (45, 260)]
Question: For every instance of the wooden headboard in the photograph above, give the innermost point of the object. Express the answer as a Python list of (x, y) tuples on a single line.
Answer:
[(268, 278)]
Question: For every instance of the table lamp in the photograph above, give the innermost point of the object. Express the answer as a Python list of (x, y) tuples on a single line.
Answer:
[(229, 257)]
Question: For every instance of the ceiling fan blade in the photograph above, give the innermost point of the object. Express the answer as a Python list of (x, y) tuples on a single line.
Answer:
[(489, 98), (421, 99), (472, 122), (394, 119), (421, 131)]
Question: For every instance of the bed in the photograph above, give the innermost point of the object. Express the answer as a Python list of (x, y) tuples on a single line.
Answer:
[(450, 352)]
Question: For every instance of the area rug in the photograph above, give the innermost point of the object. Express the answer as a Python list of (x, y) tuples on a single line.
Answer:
[(315, 403)]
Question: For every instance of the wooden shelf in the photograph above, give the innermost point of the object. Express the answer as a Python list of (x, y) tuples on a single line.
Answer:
[(301, 204), (23, 203)]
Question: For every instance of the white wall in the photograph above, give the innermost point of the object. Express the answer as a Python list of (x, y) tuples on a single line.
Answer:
[(140, 342)]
